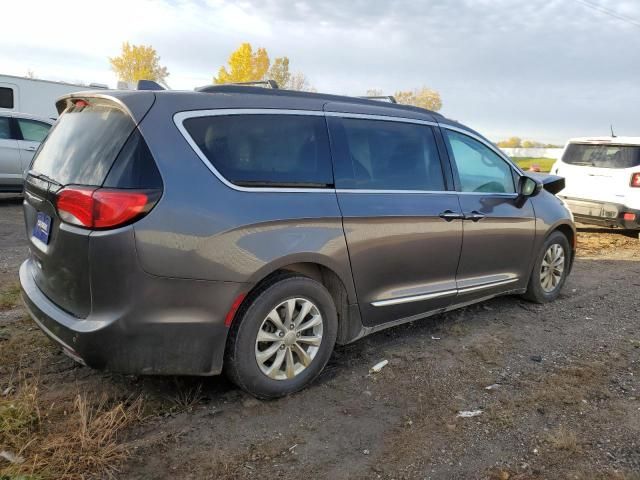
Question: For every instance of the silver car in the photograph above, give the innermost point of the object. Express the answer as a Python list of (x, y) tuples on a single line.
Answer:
[(20, 137)]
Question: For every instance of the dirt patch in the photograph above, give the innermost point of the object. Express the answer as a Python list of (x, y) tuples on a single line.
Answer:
[(556, 386)]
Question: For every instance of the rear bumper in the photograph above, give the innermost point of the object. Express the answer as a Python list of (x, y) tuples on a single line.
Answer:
[(606, 214), (175, 327)]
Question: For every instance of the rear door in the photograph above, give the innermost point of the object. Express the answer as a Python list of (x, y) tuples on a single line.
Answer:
[(10, 175), (499, 227), (402, 225), (79, 151)]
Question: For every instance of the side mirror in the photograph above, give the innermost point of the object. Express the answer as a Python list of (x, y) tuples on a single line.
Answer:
[(528, 187)]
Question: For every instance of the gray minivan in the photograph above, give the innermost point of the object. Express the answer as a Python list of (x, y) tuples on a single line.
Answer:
[(252, 229)]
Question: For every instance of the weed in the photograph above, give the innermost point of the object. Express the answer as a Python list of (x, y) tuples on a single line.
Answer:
[(10, 296)]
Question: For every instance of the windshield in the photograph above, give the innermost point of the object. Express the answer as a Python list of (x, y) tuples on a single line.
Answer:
[(84, 143), (603, 156)]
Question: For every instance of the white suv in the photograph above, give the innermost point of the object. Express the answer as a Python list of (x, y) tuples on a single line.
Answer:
[(602, 177)]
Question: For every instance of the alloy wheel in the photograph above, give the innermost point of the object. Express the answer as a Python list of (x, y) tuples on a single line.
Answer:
[(552, 268), (289, 338)]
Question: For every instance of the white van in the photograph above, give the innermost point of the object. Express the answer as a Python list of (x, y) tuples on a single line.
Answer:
[(34, 96), (602, 176)]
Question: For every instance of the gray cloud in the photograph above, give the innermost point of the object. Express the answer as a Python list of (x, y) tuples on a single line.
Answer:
[(546, 69)]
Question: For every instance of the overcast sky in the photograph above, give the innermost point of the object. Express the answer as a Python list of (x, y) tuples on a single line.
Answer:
[(540, 69)]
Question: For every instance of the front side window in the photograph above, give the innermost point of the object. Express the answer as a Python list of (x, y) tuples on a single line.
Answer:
[(385, 155), (6, 97), (5, 128), (265, 150), (480, 169), (32, 130)]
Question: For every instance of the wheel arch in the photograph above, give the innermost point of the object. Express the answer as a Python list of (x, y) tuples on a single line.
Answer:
[(341, 289)]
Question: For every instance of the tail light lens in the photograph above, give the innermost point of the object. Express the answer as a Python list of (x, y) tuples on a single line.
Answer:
[(635, 179), (102, 207)]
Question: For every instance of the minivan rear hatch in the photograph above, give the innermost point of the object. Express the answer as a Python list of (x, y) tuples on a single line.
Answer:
[(94, 144)]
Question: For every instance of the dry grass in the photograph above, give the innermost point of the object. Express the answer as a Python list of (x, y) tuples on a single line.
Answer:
[(63, 441), (21, 343), (10, 296), (570, 385), (187, 397), (563, 439)]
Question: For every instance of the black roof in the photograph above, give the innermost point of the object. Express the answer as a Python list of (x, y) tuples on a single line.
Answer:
[(278, 92)]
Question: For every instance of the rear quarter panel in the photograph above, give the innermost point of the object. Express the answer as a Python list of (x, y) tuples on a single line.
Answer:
[(203, 229)]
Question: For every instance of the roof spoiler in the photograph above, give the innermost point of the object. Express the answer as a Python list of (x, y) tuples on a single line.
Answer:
[(149, 85), (382, 98), (272, 84)]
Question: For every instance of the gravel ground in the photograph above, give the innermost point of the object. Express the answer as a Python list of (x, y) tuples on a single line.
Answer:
[(557, 387)]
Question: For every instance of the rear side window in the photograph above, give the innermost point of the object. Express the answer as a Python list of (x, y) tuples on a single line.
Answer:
[(385, 155), (84, 143), (33, 131), (6, 97), (602, 156), (265, 150)]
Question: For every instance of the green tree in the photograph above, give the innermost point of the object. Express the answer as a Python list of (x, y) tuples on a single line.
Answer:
[(245, 65), (138, 62), (513, 142)]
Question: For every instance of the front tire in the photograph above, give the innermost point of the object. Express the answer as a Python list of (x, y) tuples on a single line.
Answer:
[(282, 338), (550, 269)]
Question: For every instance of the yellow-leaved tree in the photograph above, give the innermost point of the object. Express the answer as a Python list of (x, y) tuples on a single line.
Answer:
[(138, 62), (420, 97), (245, 65)]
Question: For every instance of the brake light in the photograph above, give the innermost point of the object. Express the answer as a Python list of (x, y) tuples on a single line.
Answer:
[(81, 103), (629, 216), (635, 179), (103, 208)]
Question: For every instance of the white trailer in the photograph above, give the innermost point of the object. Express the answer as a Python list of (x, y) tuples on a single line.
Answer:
[(34, 96)]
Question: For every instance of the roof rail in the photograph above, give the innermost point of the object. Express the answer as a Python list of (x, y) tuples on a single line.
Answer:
[(149, 85), (382, 98)]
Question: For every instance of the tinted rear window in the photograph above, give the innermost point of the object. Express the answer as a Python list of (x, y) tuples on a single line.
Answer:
[(84, 143), (383, 155), (603, 156), (265, 150)]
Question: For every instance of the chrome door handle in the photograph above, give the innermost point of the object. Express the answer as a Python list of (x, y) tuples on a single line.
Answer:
[(474, 216), (449, 215), (31, 149)]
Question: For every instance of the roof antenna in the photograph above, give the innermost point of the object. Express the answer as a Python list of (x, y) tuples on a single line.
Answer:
[(613, 135)]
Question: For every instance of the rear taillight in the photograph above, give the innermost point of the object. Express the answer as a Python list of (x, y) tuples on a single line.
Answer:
[(102, 207), (635, 179)]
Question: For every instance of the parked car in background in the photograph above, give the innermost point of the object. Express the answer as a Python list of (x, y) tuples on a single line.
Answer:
[(602, 180), (252, 229), (20, 137), (35, 96)]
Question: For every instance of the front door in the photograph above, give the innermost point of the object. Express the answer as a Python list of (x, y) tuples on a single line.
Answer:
[(32, 133), (499, 226), (403, 227)]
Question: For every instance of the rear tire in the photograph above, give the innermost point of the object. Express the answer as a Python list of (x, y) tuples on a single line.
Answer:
[(550, 269), (282, 337)]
